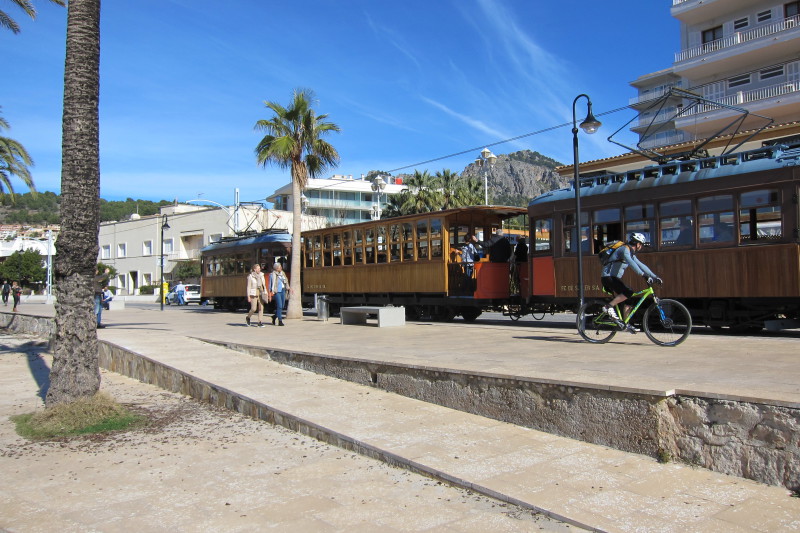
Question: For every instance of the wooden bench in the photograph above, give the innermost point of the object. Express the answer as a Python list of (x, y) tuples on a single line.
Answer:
[(387, 316)]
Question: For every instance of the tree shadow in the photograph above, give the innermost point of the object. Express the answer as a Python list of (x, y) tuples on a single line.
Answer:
[(38, 367)]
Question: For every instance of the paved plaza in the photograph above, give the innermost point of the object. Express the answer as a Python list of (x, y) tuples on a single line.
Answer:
[(584, 485)]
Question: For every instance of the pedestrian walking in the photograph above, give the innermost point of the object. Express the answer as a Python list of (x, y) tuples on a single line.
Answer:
[(278, 288), (16, 293), (6, 292), (257, 294), (100, 280), (180, 293)]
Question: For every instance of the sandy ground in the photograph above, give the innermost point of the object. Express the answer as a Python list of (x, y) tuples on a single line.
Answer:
[(197, 468)]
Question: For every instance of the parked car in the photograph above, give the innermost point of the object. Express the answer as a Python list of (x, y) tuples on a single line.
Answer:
[(191, 294)]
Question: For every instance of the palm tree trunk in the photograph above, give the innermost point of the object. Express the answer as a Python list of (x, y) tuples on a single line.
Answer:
[(295, 306), (75, 372)]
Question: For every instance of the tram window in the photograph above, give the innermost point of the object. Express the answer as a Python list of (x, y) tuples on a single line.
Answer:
[(436, 248), (436, 227), (347, 247), (394, 247), (408, 234), (369, 245), (715, 219), (358, 246), (408, 251), (422, 249), (607, 227), (394, 233), (308, 252), (677, 223), (381, 244), (422, 239), (543, 235), (640, 218), (327, 250), (570, 245), (337, 249), (760, 216)]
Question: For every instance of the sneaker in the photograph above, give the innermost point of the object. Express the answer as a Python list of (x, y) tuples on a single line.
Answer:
[(260, 325), (610, 311), (247, 320), (631, 329)]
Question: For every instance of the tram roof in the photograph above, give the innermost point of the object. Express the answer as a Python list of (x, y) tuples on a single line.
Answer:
[(500, 211), (264, 237), (677, 172)]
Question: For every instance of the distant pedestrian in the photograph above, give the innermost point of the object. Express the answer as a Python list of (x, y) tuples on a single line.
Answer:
[(6, 292), (107, 297), (100, 280), (257, 294), (180, 293), (16, 293), (278, 288)]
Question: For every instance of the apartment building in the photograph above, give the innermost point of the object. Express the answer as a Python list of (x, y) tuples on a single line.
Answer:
[(739, 53), (132, 246), (340, 199)]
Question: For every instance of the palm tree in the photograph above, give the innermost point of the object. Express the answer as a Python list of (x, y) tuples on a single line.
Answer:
[(448, 183), (294, 140), (14, 161), (425, 196), (27, 7), (75, 372)]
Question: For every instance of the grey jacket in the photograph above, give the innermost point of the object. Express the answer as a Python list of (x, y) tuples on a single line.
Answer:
[(621, 259)]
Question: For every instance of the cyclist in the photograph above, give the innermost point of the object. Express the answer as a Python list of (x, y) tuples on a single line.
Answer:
[(611, 277)]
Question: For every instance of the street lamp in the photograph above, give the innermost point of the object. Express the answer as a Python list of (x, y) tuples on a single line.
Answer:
[(378, 185), (164, 227), (486, 161), (589, 125)]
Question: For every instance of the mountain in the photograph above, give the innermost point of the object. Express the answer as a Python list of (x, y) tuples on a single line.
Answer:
[(45, 206), (519, 176)]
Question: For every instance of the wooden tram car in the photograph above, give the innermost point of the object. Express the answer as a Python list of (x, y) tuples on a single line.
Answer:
[(409, 261), (722, 233), (226, 264)]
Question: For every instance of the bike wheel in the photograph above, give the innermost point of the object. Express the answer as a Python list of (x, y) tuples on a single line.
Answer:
[(667, 323), (594, 324)]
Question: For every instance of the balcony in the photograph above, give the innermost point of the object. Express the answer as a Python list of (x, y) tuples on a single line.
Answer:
[(745, 97), (652, 95), (737, 38)]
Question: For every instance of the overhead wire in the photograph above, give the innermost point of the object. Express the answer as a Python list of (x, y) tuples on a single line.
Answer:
[(538, 132)]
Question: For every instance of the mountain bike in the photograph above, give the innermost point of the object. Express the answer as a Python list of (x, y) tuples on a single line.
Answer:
[(665, 322)]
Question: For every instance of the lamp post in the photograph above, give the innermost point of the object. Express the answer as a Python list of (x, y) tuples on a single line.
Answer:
[(486, 161), (589, 125), (164, 227), (378, 185)]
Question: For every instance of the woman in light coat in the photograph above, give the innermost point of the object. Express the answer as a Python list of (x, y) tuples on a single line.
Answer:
[(257, 294), (278, 288)]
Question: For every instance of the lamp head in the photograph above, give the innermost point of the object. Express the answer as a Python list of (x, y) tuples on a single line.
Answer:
[(590, 124), (165, 225), (485, 153), (491, 159)]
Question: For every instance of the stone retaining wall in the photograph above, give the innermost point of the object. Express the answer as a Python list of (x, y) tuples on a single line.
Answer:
[(750, 440), (755, 441)]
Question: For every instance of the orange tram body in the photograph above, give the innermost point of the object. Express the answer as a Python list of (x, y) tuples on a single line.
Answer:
[(722, 232)]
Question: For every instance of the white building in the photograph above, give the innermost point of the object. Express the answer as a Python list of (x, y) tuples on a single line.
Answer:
[(132, 246), (340, 199), (740, 53)]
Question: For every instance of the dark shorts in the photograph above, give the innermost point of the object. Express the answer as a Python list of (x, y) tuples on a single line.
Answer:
[(616, 286)]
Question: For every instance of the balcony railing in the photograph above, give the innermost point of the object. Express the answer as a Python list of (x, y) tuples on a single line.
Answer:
[(679, 2), (663, 116), (673, 137), (745, 97), (653, 95), (738, 38)]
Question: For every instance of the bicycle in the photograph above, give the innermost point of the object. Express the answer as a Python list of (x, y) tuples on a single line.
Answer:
[(665, 322)]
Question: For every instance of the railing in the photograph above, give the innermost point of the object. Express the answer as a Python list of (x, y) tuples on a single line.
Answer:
[(738, 38), (744, 97), (679, 2), (674, 137), (653, 95), (662, 116)]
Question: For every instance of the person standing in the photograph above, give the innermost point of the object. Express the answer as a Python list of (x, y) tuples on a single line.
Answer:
[(100, 280), (256, 295), (6, 292), (498, 247), (278, 288), (468, 255), (16, 293)]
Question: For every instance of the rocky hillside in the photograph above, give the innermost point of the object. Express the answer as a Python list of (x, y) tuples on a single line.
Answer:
[(519, 176)]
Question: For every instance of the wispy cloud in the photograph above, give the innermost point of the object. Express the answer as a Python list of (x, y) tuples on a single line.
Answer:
[(395, 39)]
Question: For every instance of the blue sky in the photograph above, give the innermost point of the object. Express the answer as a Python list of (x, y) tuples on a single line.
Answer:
[(183, 83)]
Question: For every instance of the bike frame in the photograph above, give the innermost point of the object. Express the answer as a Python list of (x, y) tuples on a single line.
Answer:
[(643, 296)]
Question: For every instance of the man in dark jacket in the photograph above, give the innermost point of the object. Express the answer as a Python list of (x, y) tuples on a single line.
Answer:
[(100, 281), (498, 247)]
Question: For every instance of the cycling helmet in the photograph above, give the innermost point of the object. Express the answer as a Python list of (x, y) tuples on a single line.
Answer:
[(638, 237)]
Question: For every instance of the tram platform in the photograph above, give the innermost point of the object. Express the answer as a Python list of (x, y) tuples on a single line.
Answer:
[(214, 356)]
